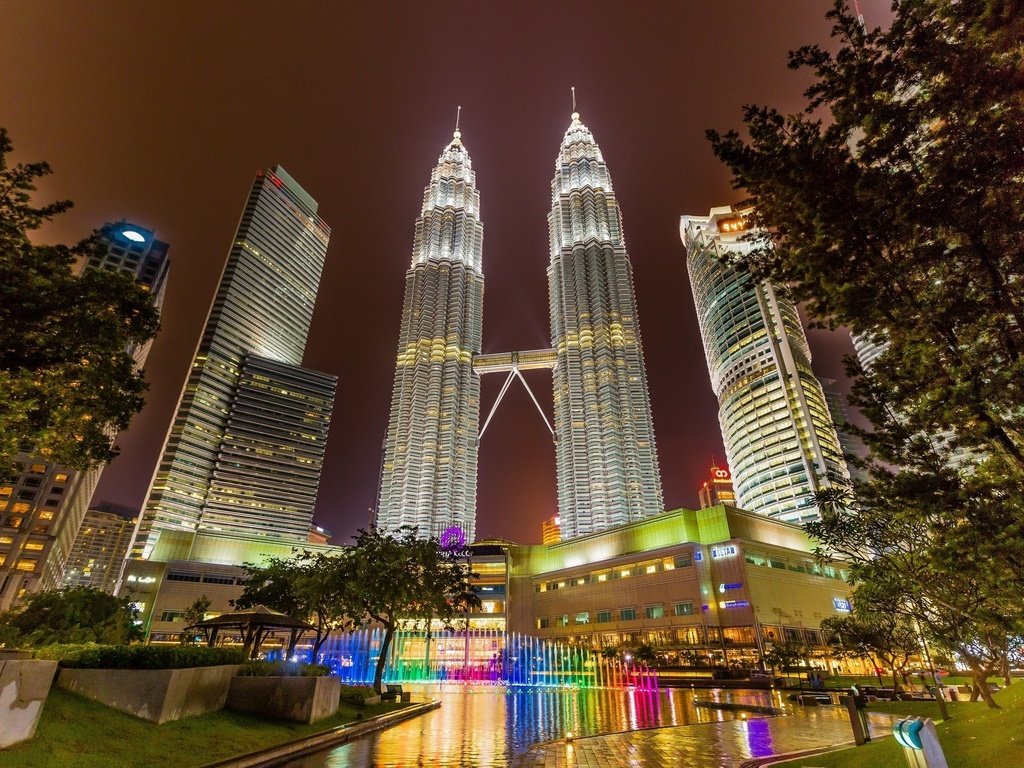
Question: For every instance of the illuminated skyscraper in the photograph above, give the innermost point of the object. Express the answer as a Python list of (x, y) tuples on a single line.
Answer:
[(245, 448), (779, 437), (606, 455), (42, 509), (430, 455)]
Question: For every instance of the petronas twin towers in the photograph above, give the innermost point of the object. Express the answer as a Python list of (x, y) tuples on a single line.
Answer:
[(606, 455)]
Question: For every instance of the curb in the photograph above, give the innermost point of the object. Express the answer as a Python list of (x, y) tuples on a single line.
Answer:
[(272, 756), (767, 762)]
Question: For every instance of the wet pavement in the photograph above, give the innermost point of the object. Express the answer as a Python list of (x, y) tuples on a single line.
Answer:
[(488, 726)]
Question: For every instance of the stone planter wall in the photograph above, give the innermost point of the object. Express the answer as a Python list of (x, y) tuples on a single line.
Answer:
[(157, 695), (301, 699), (24, 686)]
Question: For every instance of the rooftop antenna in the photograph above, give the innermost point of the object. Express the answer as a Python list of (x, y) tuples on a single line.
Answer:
[(458, 115), (575, 114)]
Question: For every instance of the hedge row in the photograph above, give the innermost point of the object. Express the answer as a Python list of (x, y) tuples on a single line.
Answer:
[(140, 656)]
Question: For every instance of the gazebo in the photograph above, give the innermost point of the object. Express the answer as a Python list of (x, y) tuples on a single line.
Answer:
[(254, 624)]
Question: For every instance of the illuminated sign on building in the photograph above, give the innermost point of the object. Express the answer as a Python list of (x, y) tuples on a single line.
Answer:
[(732, 225), (698, 555), (841, 604), (725, 587), (734, 604), (725, 551)]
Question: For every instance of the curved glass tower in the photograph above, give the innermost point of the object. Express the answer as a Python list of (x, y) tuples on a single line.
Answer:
[(607, 460), (779, 435), (430, 455)]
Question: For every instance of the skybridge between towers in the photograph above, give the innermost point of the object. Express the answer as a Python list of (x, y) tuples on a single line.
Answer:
[(513, 363)]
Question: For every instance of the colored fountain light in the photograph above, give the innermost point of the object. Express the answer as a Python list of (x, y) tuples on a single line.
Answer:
[(481, 656)]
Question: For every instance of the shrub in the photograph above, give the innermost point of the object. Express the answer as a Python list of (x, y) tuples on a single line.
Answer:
[(71, 615), (283, 669), (140, 656), (356, 694)]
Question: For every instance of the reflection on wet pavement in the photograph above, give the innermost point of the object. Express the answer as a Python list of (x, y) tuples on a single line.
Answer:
[(494, 726)]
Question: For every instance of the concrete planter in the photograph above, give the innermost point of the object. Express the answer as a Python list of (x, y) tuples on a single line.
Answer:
[(300, 699), (157, 695), (24, 686)]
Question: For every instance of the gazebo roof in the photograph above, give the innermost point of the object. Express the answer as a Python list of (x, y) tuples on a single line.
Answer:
[(259, 615)]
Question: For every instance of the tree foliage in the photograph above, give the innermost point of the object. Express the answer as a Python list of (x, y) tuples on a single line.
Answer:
[(877, 629), (66, 380), (72, 615), (195, 613), (784, 655), (396, 580), (893, 205), (307, 586)]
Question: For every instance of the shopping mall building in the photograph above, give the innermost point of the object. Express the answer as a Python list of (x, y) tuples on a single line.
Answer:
[(708, 587)]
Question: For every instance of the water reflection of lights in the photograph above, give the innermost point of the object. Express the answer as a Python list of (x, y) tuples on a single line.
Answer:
[(486, 725)]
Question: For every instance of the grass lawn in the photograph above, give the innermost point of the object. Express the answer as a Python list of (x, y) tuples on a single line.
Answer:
[(81, 733), (845, 681), (973, 736)]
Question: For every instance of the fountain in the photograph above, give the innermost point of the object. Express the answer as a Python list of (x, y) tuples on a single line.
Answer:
[(480, 656)]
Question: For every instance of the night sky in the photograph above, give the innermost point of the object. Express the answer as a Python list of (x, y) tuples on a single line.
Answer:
[(161, 113)]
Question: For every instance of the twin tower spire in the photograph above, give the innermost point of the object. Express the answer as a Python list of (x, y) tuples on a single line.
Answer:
[(607, 465)]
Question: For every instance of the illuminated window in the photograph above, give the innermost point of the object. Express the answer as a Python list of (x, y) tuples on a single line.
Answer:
[(543, 623), (582, 618), (651, 569), (562, 621), (20, 507), (6, 540), (655, 611), (14, 522), (38, 469), (602, 577), (684, 609), (46, 515), (26, 565), (34, 546)]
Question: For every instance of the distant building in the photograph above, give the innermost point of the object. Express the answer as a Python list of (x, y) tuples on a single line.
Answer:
[(717, 489), (551, 530), (245, 448), (780, 441), (318, 535), (100, 548), (43, 507)]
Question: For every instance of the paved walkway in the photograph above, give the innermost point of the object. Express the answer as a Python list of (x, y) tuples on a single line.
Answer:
[(710, 745)]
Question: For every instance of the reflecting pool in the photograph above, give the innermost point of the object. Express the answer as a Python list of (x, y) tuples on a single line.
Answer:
[(484, 725)]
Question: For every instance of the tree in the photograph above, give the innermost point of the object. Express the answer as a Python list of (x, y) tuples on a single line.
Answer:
[(67, 382), (930, 567), (876, 629), (892, 205), (306, 586), (394, 580), (783, 655), (73, 615), (900, 215), (195, 613), (645, 654)]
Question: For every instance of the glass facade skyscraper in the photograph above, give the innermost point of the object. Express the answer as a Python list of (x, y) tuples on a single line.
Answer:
[(606, 455), (429, 473), (779, 436), (245, 448)]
